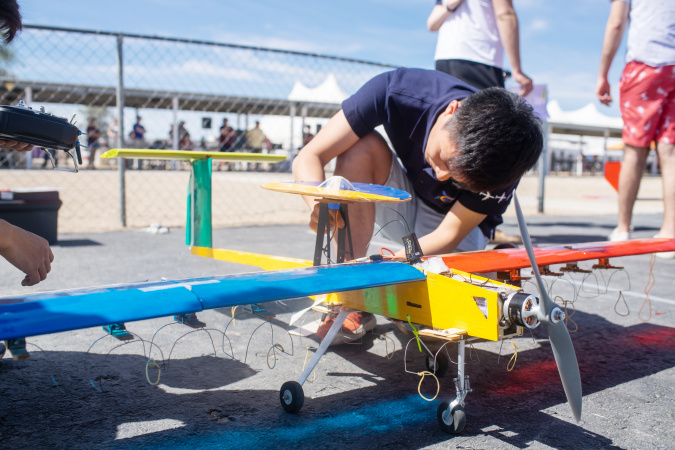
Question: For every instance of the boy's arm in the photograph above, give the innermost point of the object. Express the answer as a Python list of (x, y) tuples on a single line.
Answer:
[(456, 225)]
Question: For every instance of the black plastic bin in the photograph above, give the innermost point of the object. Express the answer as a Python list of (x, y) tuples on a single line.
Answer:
[(33, 210)]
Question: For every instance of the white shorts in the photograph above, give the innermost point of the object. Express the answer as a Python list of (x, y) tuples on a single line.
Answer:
[(395, 220)]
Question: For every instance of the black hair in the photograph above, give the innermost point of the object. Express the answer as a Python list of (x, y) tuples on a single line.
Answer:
[(497, 139), (10, 19)]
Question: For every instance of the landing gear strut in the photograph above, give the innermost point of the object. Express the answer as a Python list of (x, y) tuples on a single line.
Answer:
[(451, 416), (291, 394)]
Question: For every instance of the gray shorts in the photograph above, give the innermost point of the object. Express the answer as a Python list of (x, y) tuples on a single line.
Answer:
[(395, 220)]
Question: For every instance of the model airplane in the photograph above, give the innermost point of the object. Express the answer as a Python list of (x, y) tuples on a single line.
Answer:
[(451, 305)]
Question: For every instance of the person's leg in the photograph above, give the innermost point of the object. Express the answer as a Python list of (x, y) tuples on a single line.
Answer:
[(367, 161), (632, 167), (640, 106), (667, 160), (395, 220)]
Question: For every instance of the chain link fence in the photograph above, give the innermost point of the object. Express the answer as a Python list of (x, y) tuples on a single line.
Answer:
[(132, 91)]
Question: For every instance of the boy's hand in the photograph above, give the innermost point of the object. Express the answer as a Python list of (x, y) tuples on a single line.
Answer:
[(333, 216)]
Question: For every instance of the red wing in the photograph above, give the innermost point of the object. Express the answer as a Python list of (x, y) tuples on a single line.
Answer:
[(503, 260)]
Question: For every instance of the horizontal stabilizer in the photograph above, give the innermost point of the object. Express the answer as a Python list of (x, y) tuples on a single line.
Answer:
[(189, 155)]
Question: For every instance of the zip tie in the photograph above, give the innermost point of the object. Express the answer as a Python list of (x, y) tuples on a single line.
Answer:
[(419, 386), (152, 363), (514, 358), (417, 336)]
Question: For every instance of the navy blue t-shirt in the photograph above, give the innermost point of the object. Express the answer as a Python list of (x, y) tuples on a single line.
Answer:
[(407, 103)]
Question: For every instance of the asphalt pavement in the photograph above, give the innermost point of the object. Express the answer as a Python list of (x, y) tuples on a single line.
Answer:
[(83, 389)]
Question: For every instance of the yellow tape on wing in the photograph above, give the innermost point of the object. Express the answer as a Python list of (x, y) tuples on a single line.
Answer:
[(265, 262), (171, 155)]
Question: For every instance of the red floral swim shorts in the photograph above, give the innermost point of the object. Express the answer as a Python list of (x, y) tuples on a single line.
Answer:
[(647, 104)]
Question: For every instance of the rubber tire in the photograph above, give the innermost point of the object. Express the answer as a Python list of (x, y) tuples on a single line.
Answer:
[(442, 364), (458, 419), (297, 396)]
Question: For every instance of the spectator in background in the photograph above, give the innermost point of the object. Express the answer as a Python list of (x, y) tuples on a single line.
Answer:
[(183, 137), (226, 137), (647, 102), (255, 141), (138, 133), (469, 45), (93, 133), (113, 133), (255, 138), (184, 140), (307, 135), (223, 129), (225, 143)]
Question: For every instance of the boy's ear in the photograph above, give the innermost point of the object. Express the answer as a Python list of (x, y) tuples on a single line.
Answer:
[(452, 107)]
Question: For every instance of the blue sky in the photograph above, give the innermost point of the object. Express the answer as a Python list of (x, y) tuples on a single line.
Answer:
[(560, 40)]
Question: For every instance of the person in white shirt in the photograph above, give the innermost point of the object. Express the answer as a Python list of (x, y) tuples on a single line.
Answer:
[(472, 37)]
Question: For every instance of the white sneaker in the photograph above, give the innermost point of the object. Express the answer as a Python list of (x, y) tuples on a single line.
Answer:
[(664, 255), (617, 236)]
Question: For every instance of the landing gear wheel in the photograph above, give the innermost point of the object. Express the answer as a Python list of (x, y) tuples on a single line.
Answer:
[(440, 368), (292, 396), (454, 422)]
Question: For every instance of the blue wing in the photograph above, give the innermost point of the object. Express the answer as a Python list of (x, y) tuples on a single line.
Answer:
[(53, 312)]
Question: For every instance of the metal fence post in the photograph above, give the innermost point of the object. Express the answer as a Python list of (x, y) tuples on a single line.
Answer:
[(174, 127), (28, 99), (120, 121), (541, 168)]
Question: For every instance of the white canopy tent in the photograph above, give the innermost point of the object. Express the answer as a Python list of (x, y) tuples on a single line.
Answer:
[(582, 132), (327, 93)]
